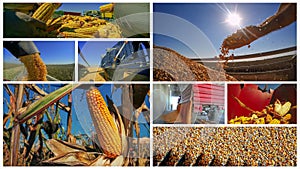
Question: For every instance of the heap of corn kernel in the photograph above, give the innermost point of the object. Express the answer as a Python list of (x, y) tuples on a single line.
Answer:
[(70, 26), (273, 114), (36, 68), (106, 128)]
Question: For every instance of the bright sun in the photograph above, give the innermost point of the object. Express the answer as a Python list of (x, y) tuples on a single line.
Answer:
[(234, 19)]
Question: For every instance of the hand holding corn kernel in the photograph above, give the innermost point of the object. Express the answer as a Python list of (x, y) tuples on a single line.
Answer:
[(276, 113)]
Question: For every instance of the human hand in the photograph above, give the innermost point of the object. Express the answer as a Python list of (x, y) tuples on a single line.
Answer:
[(20, 25)]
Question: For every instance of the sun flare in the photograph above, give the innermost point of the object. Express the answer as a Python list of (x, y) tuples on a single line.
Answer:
[(234, 19)]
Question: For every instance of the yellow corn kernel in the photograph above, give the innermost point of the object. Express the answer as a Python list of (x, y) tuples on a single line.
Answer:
[(285, 108), (105, 126), (277, 106), (259, 121), (275, 121), (268, 118), (287, 117), (231, 121), (35, 66)]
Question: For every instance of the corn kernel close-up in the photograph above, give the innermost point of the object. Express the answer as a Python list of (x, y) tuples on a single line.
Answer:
[(35, 67), (273, 114)]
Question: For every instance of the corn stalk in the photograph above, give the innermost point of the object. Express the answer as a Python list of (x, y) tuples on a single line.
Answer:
[(15, 139)]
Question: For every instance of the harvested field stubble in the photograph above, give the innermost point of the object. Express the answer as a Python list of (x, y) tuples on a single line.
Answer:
[(169, 65)]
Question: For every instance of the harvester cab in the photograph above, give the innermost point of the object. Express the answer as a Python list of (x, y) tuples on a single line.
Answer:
[(127, 59)]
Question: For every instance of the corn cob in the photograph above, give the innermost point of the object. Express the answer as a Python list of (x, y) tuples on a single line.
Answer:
[(35, 66), (45, 11), (72, 24), (104, 123), (107, 8), (87, 31), (75, 35)]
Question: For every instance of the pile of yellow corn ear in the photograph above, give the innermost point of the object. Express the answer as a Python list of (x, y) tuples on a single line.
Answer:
[(273, 114), (70, 26)]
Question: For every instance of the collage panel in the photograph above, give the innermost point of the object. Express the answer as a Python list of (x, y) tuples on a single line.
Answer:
[(188, 104), (262, 103), (224, 146), (224, 42), (114, 60), (39, 61), (76, 125), (95, 108), (76, 20)]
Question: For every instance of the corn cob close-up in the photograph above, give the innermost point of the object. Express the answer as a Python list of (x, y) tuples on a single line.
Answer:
[(105, 126), (45, 11)]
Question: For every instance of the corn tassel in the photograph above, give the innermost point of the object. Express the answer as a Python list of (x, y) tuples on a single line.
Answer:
[(35, 66), (105, 126), (45, 11)]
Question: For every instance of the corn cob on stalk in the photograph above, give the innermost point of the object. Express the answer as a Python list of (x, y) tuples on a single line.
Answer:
[(104, 123), (35, 66), (45, 11)]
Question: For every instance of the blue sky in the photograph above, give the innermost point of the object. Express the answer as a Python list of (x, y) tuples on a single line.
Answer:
[(210, 18), (52, 52), (80, 7), (93, 50)]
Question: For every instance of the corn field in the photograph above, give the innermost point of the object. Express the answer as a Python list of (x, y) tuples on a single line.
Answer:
[(39, 126)]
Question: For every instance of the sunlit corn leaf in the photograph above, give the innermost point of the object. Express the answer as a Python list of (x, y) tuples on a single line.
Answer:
[(79, 158), (40, 105), (59, 147), (118, 161), (101, 161), (69, 154)]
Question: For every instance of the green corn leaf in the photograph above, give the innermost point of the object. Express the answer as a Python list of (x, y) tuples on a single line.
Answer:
[(40, 105)]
